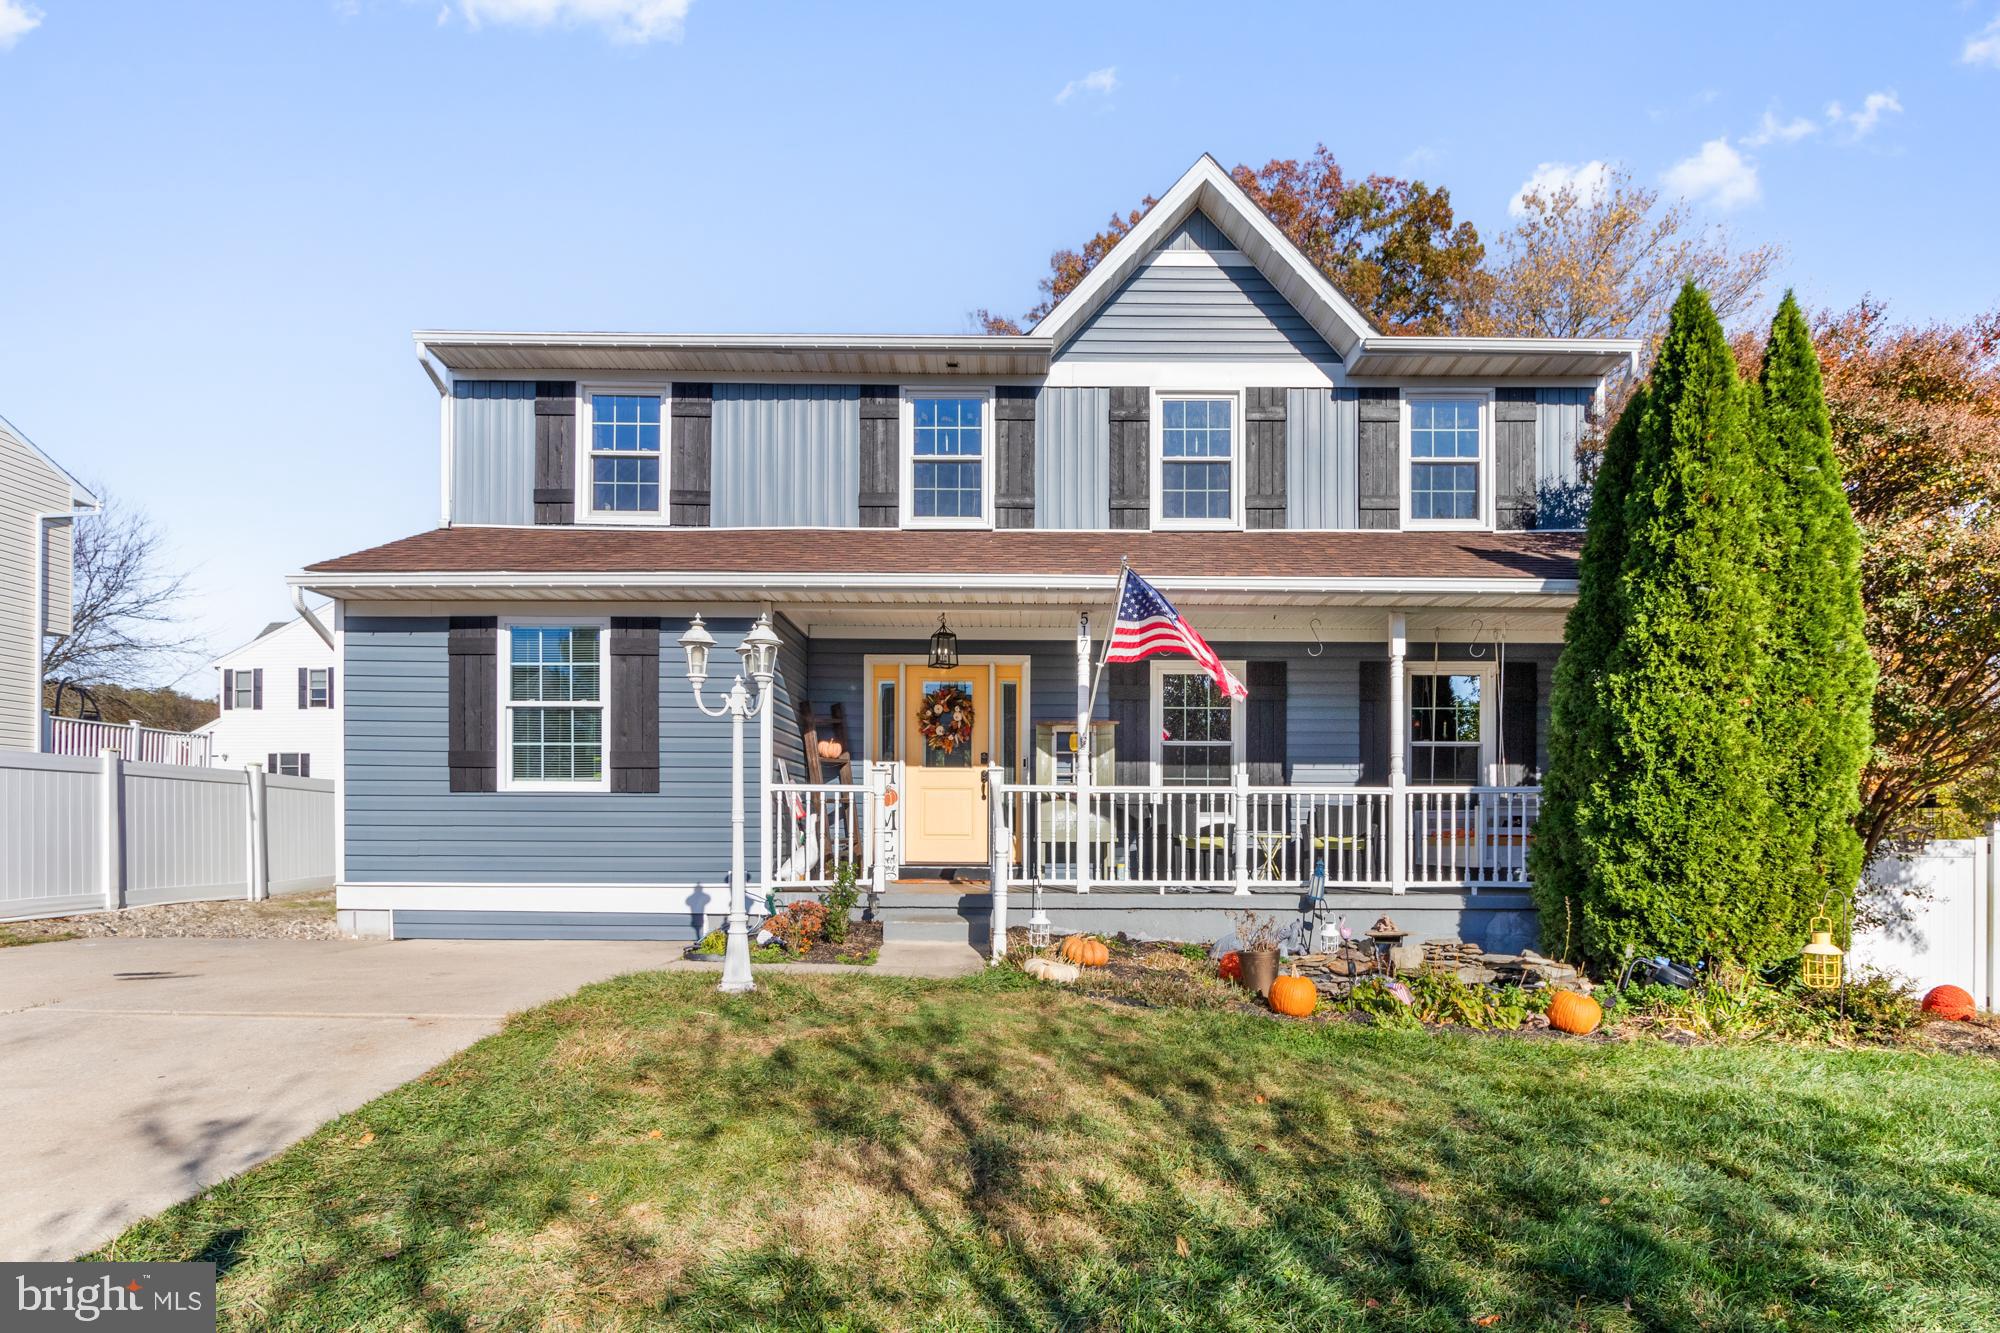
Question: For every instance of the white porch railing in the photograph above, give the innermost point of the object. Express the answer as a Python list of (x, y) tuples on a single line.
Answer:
[(816, 829), (136, 744)]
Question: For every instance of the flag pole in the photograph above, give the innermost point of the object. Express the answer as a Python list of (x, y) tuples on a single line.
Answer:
[(1117, 600)]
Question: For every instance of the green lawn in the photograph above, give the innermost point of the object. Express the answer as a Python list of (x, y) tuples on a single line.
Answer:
[(861, 1152)]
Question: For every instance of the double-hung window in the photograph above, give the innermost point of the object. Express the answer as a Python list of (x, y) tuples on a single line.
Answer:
[(1450, 736), (554, 691), (948, 474), (1197, 474), (1446, 461), (623, 465), (319, 688), (1197, 731), (243, 690)]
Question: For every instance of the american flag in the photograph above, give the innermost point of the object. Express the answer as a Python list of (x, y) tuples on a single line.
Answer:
[(1148, 625)]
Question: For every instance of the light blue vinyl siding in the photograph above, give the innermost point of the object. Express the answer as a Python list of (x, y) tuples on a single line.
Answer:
[(1174, 313), (405, 824), (1320, 468), (1562, 498), (493, 451), (1073, 459), (1197, 231), (786, 455)]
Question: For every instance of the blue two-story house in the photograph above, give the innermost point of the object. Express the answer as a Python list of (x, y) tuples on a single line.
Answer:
[(1378, 533)]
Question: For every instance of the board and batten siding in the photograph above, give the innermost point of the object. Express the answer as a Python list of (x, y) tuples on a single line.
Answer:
[(786, 456), (29, 486), (405, 825), (1197, 231), (1320, 458), (1073, 459), (1174, 312), (493, 452), (1562, 491)]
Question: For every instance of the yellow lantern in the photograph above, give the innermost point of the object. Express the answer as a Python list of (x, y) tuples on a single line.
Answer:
[(1820, 959)]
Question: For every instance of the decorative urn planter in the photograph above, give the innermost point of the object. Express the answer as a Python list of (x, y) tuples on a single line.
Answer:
[(1260, 969)]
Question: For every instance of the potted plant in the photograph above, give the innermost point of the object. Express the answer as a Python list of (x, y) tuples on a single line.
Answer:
[(1257, 942)]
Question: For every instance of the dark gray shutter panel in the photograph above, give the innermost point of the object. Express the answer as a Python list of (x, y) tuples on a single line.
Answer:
[(881, 416), (257, 688), (1128, 686), (1131, 464), (692, 430), (1372, 695), (329, 687), (635, 703), (472, 690), (271, 762), (555, 452), (305, 765), (1514, 482), (1264, 724), (1520, 727), (228, 689), (1378, 457), (303, 698), (1264, 459), (1014, 460)]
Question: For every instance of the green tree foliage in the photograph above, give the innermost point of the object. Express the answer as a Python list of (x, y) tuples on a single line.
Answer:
[(1818, 676)]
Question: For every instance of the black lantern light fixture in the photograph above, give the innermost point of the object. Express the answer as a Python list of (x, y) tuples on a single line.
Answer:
[(944, 648)]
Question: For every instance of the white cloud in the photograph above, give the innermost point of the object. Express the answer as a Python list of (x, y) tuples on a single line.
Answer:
[(17, 20), (624, 20), (1873, 108), (1103, 81), (1772, 130), (1983, 47), (1589, 180), (1716, 173)]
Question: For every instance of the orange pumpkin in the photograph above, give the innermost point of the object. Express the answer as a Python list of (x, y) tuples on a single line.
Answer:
[(1294, 995), (1573, 1013), (1085, 951), (831, 749), (1949, 1002), (1230, 966)]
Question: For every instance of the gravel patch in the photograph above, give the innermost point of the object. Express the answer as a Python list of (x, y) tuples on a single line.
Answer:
[(303, 916)]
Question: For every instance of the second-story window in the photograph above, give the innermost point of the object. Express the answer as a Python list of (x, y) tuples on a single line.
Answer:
[(319, 688), (1445, 459), (624, 466), (1197, 471), (946, 460)]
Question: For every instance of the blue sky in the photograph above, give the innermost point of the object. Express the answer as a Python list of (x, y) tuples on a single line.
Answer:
[(221, 221)]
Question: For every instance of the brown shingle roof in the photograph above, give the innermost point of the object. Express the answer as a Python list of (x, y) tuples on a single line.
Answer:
[(1275, 555)]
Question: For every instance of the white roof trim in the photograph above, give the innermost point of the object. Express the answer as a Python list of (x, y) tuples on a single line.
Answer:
[(430, 340), (1206, 186), (80, 495)]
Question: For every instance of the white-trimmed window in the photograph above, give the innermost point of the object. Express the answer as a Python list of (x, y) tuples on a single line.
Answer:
[(1197, 730), (289, 764), (624, 468), (1450, 727), (243, 689), (319, 688), (1446, 453), (1197, 452), (948, 458), (552, 684)]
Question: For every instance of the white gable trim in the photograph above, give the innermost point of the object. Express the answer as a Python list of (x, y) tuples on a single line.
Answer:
[(1208, 188)]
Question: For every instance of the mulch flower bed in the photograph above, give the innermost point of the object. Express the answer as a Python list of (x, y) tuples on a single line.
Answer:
[(864, 939)]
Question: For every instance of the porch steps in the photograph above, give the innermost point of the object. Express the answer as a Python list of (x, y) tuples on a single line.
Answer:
[(935, 913)]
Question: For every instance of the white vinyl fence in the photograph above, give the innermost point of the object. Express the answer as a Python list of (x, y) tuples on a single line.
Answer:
[(83, 835), (1938, 920)]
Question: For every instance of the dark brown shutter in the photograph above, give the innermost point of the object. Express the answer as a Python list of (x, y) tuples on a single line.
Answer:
[(257, 688), (1378, 457), (1264, 724), (1514, 484), (1129, 686), (303, 700), (1131, 461), (305, 765), (881, 417), (1264, 459), (555, 453), (1372, 694), (693, 452), (1014, 456), (472, 703), (1520, 727), (635, 703), (228, 689)]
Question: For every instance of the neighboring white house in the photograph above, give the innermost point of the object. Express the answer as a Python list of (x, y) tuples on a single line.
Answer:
[(38, 506), (280, 705)]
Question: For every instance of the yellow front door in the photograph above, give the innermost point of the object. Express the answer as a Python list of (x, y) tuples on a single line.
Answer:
[(945, 821)]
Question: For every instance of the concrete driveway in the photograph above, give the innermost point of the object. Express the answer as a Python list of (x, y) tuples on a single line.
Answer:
[(136, 1072)]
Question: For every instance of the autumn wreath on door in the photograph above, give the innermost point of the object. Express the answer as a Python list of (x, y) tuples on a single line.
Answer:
[(945, 718)]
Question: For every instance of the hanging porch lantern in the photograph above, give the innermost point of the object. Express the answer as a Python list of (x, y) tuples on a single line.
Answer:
[(944, 648), (1820, 960)]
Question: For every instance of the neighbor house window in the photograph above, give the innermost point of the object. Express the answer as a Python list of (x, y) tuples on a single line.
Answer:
[(1448, 727), (1197, 733), (286, 764), (319, 688), (624, 466), (1197, 461), (949, 436), (554, 728), (1445, 460), (243, 689)]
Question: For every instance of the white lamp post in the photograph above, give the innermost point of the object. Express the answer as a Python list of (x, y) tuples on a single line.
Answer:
[(759, 651)]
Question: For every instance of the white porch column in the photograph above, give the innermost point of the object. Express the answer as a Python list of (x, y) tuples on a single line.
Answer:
[(1399, 812), (766, 763), (1083, 755), (1000, 856)]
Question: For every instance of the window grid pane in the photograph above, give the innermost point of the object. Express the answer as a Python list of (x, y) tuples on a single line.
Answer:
[(550, 670), (625, 453), (1196, 731), (1443, 430), (1445, 728), (948, 452), (1196, 460)]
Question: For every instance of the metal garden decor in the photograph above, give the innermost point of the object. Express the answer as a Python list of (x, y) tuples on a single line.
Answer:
[(1819, 961)]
